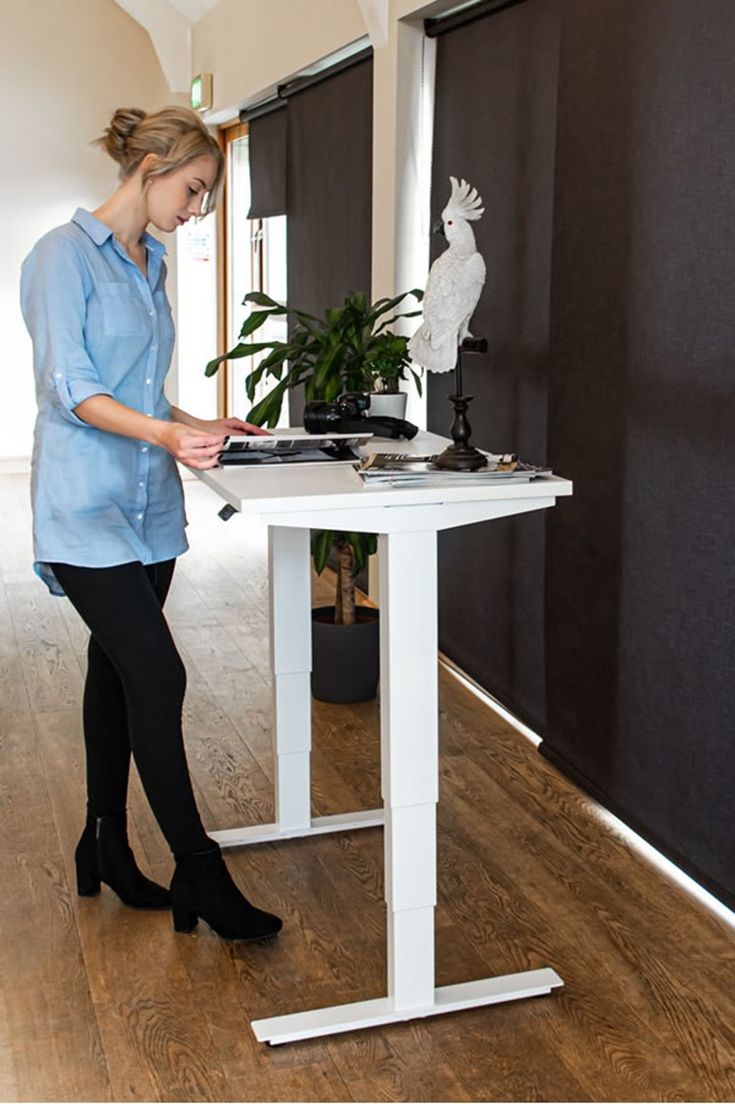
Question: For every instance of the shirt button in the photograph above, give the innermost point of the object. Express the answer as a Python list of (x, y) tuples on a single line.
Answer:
[(154, 348), (57, 375), (141, 483), (149, 415), (149, 381), (140, 517), (144, 448), (151, 313)]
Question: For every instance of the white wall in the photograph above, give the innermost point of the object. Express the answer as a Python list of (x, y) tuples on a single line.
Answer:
[(66, 65), (250, 47)]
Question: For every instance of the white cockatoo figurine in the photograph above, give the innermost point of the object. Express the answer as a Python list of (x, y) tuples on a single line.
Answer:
[(453, 286)]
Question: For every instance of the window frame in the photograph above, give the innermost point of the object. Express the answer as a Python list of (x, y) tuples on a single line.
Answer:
[(229, 133)]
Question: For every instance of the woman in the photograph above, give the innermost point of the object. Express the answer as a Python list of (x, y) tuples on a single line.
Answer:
[(108, 503)]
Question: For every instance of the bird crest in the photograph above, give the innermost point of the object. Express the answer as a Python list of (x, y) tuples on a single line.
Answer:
[(464, 202)]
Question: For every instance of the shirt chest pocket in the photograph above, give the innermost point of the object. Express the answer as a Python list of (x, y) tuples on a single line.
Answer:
[(123, 312)]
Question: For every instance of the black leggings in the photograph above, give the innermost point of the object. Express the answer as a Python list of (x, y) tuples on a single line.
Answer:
[(133, 696)]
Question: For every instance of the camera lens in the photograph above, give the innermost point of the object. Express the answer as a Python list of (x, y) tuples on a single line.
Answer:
[(321, 417)]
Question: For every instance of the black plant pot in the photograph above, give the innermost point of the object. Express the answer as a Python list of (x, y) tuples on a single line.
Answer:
[(346, 658)]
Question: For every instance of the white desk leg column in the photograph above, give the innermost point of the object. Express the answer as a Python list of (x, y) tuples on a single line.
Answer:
[(409, 738), (290, 607), (409, 760), (290, 612)]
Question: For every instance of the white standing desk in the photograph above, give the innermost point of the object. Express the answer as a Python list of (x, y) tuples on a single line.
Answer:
[(292, 500)]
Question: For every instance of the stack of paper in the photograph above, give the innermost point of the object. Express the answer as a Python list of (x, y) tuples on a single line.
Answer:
[(398, 469)]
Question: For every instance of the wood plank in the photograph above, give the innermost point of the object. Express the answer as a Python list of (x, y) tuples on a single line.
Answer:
[(16, 563), (53, 1049), (514, 917), (152, 1029), (561, 813), (50, 666), (13, 694), (8, 642)]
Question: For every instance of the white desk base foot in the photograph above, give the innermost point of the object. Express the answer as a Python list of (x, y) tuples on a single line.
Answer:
[(318, 826), (374, 1013)]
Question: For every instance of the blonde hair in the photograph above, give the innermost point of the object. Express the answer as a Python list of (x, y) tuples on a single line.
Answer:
[(176, 135)]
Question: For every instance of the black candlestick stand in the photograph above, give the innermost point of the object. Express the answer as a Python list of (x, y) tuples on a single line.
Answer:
[(461, 455)]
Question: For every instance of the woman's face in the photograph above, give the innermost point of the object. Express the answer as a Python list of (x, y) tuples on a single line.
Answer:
[(177, 196)]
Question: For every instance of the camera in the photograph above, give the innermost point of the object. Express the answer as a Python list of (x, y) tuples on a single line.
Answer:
[(349, 414)]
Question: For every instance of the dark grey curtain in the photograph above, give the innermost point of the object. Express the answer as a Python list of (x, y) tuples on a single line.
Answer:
[(494, 126), (329, 191), (641, 596), (267, 156), (633, 396)]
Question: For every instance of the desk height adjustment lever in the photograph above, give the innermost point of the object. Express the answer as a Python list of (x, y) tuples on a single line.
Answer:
[(226, 512)]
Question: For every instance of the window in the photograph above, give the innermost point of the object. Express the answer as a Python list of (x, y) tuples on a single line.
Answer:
[(254, 259)]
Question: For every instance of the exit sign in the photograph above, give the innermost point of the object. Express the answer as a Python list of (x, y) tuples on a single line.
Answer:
[(201, 92)]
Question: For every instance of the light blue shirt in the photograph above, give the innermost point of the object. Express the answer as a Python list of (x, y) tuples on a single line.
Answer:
[(99, 327)]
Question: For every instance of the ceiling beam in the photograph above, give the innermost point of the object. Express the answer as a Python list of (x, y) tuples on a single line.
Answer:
[(375, 17), (170, 33)]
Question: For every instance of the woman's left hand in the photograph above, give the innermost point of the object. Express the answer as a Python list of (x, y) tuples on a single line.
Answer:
[(229, 426)]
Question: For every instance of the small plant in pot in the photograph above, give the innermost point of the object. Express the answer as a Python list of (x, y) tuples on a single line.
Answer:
[(345, 636), (388, 364)]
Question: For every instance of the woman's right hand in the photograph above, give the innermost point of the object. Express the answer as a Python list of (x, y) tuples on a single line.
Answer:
[(192, 447)]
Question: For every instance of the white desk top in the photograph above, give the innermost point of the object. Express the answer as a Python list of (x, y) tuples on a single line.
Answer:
[(283, 490)]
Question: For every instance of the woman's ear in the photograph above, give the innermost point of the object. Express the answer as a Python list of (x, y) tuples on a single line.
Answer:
[(149, 162)]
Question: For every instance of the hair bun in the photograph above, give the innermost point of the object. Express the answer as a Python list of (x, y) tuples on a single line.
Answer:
[(121, 127)]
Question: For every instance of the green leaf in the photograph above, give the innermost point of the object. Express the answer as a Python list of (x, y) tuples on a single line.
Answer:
[(417, 379), (249, 348), (334, 388), (363, 545), (326, 369), (213, 365), (261, 300), (384, 305), (276, 357), (253, 321), (252, 380), (268, 410), (321, 546), (390, 321), (236, 353)]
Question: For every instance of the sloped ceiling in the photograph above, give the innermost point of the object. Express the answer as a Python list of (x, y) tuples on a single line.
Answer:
[(193, 10), (169, 24)]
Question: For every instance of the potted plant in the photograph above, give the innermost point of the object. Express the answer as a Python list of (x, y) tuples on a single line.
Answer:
[(350, 349), (345, 636), (388, 363)]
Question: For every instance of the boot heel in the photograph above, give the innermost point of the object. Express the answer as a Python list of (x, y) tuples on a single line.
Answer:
[(87, 886), (185, 920), (85, 862)]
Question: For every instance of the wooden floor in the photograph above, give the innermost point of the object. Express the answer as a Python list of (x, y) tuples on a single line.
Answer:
[(98, 1002)]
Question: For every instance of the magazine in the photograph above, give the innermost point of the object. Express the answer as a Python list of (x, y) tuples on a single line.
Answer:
[(300, 448), (405, 470)]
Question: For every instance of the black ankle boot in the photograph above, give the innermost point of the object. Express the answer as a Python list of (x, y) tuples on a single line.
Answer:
[(103, 855), (202, 887)]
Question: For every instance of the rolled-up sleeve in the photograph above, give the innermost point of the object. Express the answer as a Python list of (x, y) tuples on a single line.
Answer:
[(54, 304)]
